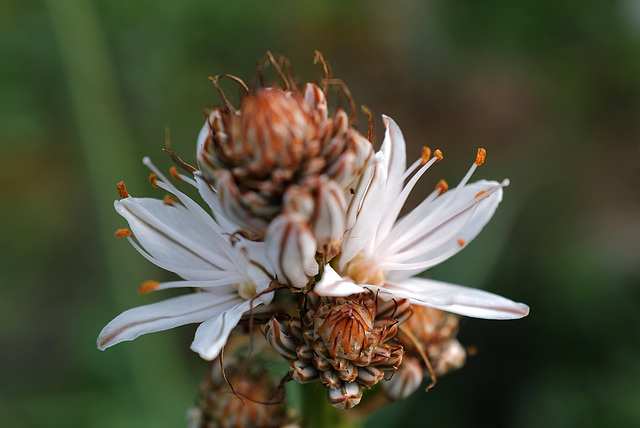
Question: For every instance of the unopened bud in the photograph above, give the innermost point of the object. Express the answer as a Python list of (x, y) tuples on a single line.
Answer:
[(291, 249), (347, 396), (349, 343), (405, 380)]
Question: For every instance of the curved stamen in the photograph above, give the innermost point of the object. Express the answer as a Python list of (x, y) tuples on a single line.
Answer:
[(479, 161), (391, 215), (423, 265), (319, 58), (415, 247), (230, 280), (405, 240)]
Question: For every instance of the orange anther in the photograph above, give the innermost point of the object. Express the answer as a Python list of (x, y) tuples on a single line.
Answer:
[(174, 173), (169, 200), (461, 242), (122, 190), (480, 157), (122, 233), (480, 193), (426, 154), (153, 179), (147, 287), (442, 186), (438, 155)]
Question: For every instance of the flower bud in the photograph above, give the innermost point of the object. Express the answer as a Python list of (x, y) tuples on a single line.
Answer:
[(282, 158), (291, 249), (347, 396), (220, 406), (405, 380), (431, 333), (349, 343)]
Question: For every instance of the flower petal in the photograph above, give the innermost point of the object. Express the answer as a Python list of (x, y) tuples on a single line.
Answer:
[(395, 154), (212, 335), (369, 213), (211, 198), (332, 284), (456, 299), (442, 230), (171, 234), (170, 313)]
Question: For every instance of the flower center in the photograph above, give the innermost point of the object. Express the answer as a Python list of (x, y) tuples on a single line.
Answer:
[(246, 290), (365, 271)]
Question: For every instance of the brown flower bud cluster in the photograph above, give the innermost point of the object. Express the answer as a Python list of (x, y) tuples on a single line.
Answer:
[(348, 343), (429, 333), (282, 168), (219, 406)]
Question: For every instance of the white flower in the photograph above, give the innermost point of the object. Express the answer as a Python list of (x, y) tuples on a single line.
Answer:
[(383, 252), (183, 238)]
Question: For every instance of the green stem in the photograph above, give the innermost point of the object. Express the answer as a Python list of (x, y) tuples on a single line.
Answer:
[(318, 413)]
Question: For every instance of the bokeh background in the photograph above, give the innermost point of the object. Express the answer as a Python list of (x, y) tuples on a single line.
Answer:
[(551, 88)]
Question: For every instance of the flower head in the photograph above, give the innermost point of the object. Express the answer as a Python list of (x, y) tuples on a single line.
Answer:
[(346, 342), (242, 391), (383, 252), (281, 167), (180, 236)]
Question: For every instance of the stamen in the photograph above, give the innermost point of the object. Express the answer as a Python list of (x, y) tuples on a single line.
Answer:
[(426, 154), (480, 157), (411, 169), (174, 173), (370, 134), (122, 233), (225, 100), (147, 287), (238, 80), (180, 162), (286, 63), (420, 347), (480, 193), (122, 190), (153, 179), (442, 186), (460, 185), (461, 242), (438, 155), (393, 212), (170, 200), (274, 63), (345, 90), (318, 58)]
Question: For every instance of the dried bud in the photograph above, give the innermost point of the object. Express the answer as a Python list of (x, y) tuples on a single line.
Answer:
[(348, 343), (219, 407), (431, 333), (281, 152)]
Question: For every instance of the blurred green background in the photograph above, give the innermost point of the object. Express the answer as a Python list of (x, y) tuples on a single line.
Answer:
[(550, 88)]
